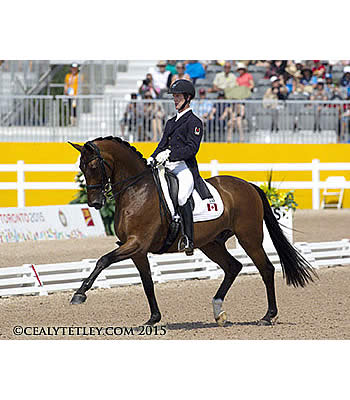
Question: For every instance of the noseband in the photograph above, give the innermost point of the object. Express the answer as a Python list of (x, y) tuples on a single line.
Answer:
[(106, 185)]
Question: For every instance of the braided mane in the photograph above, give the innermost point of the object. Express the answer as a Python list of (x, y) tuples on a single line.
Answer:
[(125, 143)]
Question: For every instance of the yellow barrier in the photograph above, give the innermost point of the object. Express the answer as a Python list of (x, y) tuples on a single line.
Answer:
[(51, 153)]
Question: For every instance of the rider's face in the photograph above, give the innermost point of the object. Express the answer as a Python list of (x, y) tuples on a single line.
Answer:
[(178, 100)]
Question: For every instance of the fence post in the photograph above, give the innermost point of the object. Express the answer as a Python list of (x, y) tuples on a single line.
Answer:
[(214, 167), (315, 184), (20, 184)]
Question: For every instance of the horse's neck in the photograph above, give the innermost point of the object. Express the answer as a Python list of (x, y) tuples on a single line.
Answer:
[(128, 163)]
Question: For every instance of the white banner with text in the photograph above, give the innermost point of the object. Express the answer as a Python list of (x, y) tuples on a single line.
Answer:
[(49, 223)]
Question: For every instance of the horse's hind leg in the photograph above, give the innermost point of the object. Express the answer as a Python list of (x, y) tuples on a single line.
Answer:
[(218, 253), (256, 252)]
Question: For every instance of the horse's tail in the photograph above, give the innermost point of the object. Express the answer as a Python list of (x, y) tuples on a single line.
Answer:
[(296, 269)]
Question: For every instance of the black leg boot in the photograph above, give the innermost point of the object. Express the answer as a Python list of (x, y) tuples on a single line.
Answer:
[(187, 219)]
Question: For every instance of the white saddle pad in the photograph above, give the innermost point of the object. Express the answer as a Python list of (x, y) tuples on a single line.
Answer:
[(204, 210)]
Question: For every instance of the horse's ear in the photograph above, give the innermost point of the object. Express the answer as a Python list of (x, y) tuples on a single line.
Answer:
[(76, 146)]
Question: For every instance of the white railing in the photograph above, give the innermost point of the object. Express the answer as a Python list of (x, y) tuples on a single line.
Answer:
[(214, 167), (49, 278), (21, 185), (315, 167)]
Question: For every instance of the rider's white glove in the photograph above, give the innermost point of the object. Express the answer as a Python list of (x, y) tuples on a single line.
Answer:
[(150, 160), (163, 156)]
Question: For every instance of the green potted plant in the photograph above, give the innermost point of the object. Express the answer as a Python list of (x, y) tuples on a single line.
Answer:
[(278, 198)]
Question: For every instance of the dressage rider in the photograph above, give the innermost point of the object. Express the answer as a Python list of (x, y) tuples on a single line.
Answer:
[(178, 148)]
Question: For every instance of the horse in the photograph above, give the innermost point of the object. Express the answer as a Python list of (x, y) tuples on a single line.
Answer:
[(111, 164)]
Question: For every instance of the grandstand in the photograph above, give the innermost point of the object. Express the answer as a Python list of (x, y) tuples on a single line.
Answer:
[(33, 107)]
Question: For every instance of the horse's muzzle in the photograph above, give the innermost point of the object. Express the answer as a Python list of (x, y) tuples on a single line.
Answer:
[(98, 203)]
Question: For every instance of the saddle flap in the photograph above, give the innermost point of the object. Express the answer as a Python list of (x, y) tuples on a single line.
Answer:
[(168, 187), (173, 185)]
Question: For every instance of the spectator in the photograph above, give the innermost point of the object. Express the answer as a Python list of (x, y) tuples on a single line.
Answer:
[(299, 65), (308, 81), (133, 116), (331, 89), (318, 70), (180, 69), (319, 92), (298, 88), (71, 89), (195, 70), (171, 66), (161, 78), (147, 86), (273, 94), (218, 117), (345, 80), (244, 79), (345, 119), (202, 107), (154, 117), (291, 77), (237, 115), (277, 67), (224, 79)]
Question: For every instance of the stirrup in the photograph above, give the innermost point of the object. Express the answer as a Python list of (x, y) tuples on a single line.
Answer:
[(185, 245)]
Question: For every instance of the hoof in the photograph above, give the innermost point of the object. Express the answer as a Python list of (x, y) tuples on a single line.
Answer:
[(78, 298), (221, 319), (264, 322), (153, 320)]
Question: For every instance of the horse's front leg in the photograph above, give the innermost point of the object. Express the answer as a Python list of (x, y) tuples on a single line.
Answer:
[(142, 264), (127, 250)]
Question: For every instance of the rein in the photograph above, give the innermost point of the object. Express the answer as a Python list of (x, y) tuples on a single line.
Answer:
[(106, 185)]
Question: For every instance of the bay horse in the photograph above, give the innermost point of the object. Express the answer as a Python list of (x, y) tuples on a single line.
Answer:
[(111, 163)]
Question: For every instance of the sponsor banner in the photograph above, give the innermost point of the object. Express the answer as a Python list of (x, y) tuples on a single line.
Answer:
[(285, 219), (49, 223)]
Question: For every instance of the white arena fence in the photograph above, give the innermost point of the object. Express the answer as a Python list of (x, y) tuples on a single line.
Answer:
[(49, 278), (214, 167)]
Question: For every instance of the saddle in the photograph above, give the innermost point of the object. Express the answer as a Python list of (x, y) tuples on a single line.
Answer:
[(205, 209)]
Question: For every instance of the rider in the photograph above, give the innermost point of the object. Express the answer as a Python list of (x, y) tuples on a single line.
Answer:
[(178, 148)]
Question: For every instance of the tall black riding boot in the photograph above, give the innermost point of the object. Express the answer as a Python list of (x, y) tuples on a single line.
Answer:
[(187, 219)]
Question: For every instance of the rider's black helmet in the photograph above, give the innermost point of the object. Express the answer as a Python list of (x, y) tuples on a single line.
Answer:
[(183, 86)]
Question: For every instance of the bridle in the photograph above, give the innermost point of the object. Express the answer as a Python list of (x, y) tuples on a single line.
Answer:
[(106, 185)]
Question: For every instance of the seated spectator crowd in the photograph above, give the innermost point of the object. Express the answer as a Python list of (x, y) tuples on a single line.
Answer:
[(270, 81)]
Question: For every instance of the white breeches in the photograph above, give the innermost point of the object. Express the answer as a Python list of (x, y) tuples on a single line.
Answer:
[(185, 177)]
